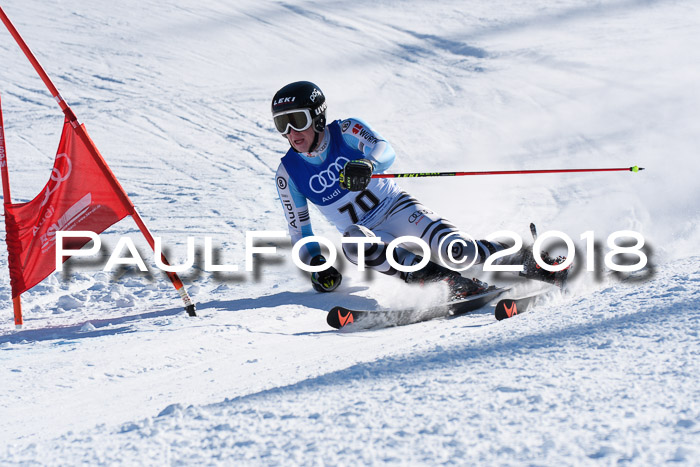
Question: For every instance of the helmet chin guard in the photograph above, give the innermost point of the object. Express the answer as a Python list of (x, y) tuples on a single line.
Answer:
[(317, 137)]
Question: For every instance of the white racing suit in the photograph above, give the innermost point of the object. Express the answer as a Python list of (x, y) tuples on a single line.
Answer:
[(382, 210)]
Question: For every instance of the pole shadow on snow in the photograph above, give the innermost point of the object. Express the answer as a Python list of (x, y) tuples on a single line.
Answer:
[(99, 328)]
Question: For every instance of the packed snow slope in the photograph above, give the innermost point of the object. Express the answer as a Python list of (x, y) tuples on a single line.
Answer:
[(109, 369)]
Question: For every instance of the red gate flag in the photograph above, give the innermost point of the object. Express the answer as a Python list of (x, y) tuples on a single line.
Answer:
[(78, 196), (82, 194)]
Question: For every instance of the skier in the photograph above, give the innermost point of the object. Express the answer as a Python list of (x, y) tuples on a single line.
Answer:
[(331, 165)]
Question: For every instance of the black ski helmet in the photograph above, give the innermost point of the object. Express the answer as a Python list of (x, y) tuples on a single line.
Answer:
[(302, 95)]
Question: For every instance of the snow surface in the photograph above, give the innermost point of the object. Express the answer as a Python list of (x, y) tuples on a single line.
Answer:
[(109, 369)]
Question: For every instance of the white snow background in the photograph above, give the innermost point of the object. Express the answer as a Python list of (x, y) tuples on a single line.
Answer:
[(108, 368)]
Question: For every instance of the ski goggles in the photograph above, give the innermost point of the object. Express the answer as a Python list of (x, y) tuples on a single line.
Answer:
[(299, 119)]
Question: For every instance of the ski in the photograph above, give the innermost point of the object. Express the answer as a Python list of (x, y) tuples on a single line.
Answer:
[(509, 307), (339, 316)]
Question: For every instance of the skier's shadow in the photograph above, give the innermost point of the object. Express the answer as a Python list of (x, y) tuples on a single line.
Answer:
[(122, 324), (321, 301)]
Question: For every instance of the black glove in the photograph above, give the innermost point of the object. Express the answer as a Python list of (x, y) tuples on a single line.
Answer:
[(356, 175), (327, 280)]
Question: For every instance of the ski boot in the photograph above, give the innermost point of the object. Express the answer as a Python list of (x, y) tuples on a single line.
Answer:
[(459, 287), (532, 270)]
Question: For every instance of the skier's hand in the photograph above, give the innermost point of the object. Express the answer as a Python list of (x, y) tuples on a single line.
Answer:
[(327, 280), (356, 175)]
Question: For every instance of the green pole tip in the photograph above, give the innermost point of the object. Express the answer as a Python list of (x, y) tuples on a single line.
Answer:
[(636, 169)]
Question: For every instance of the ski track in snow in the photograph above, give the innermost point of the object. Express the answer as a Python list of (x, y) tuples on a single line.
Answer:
[(176, 95)]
